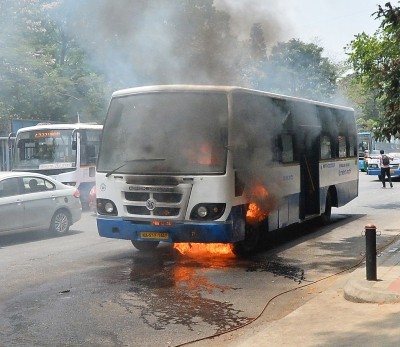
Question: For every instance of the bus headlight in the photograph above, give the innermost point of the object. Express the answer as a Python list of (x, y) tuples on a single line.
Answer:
[(207, 211), (202, 211), (106, 207)]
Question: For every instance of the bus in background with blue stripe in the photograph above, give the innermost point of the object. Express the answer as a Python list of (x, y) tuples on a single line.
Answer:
[(66, 152), (369, 153), (217, 164)]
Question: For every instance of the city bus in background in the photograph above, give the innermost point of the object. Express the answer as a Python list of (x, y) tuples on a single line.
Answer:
[(209, 164), (6, 147), (369, 153), (364, 149), (66, 152)]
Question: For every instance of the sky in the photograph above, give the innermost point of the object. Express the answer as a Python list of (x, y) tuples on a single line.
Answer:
[(331, 24)]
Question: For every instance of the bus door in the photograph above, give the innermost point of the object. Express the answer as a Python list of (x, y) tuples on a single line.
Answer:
[(309, 173)]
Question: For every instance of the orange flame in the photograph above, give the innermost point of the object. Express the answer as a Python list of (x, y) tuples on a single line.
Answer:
[(202, 154), (203, 249), (255, 214), (257, 210)]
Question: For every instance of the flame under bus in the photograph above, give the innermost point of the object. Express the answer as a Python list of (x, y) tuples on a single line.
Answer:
[(206, 164)]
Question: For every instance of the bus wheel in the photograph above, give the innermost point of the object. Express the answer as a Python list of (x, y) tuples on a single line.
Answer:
[(326, 216), (250, 243), (145, 245)]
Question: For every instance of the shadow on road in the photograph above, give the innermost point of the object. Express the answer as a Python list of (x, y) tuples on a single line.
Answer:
[(17, 238)]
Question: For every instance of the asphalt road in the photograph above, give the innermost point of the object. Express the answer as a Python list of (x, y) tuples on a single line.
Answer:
[(83, 290)]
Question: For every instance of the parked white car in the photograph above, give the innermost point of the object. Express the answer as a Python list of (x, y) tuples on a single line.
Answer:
[(30, 201)]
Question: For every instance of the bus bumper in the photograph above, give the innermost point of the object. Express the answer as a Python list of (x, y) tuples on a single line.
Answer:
[(216, 232)]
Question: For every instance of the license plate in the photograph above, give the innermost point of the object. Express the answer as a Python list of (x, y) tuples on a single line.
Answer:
[(153, 235)]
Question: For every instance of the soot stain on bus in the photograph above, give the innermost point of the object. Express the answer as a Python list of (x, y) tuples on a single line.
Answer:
[(257, 145)]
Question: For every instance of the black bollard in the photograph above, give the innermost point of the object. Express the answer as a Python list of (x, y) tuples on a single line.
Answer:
[(370, 252)]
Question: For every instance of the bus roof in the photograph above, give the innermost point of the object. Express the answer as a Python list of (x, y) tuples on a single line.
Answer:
[(62, 126), (222, 89)]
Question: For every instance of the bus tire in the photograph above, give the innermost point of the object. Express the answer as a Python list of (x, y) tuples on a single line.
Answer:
[(325, 218), (60, 222), (250, 243), (145, 246)]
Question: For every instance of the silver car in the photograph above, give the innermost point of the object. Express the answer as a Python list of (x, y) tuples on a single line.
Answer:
[(30, 201)]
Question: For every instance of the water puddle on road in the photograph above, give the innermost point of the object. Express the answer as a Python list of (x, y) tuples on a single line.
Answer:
[(279, 268), (166, 287)]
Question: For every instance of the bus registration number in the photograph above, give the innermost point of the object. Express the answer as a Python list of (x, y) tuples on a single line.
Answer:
[(153, 235)]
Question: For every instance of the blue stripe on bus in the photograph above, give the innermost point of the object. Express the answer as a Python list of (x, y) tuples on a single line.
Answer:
[(373, 171), (179, 232), (393, 172)]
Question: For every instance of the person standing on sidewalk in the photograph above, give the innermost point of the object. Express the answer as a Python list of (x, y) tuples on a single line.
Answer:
[(385, 168)]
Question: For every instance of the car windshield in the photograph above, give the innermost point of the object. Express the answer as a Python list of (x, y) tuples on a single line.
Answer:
[(165, 133)]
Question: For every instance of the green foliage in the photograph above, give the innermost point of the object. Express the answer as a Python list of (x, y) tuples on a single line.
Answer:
[(44, 75), (62, 58), (299, 69), (376, 62)]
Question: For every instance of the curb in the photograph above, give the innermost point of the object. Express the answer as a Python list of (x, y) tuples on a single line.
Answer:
[(358, 289), (362, 291)]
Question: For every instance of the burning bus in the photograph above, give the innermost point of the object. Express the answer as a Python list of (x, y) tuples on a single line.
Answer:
[(219, 164)]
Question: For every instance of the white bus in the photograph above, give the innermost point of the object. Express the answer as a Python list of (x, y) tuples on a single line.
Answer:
[(6, 145), (209, 164), (66, 152)]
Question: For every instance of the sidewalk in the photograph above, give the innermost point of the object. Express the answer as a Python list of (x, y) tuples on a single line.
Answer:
[(352, 312), (386, 289)]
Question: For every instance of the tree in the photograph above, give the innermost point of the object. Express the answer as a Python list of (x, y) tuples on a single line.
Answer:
[(44, 74), (156, 41), (376, 62), (367, 107), (299, 69), (258, 47)]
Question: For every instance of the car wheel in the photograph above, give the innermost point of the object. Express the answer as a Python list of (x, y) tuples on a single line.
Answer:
[(145, 246), (60, 222)]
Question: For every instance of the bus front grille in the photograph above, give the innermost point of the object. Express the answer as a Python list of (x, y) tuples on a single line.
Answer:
[(152, 201), (160, 197), (159, 211)]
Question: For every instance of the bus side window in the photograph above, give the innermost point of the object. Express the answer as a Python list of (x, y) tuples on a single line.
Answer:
[(287, 148), (91, 154), (352, 147), (326, 148), (342, 146), (277, 150)]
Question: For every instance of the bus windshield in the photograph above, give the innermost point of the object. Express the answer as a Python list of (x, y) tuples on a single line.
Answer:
[(166, 133), (44, 149)]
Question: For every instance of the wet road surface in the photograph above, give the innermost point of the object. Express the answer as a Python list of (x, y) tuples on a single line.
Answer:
[(132, 298), (83, 290)]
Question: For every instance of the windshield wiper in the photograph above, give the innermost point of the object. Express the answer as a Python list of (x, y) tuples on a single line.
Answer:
[(132, 161)]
